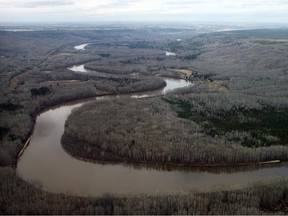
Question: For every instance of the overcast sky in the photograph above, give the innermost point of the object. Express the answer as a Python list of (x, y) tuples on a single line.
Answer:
[(265, 11)]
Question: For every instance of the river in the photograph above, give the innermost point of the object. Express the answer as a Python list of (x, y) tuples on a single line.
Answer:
[(46, 165), (170, 53), (81, 46)]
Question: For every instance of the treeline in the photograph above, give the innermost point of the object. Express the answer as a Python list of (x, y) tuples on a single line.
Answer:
[(36, 97), (13, 139), (28, 86), (15, 126), (17, 119), (250, 68), (66, 60), (128, 85), (17, 123), (40, 92), (147, 130), (108, 69), (250, 120), (18, 197)]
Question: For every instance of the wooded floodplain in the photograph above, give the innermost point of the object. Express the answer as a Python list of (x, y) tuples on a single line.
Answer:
[(234, 113), (148, 130)]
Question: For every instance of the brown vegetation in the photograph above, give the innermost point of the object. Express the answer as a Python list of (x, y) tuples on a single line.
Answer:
[(18, 197), (147, 130), (27, 88), (251, 67)]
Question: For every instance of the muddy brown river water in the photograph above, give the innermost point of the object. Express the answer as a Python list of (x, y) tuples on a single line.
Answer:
[(46, 165)]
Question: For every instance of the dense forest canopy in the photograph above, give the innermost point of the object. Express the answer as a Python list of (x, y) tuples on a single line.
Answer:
[(238, 104)]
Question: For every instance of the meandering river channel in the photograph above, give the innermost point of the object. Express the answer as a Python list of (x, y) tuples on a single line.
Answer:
[(45, 164)]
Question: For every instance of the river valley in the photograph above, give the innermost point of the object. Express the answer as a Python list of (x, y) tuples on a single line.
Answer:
[(46, 165)]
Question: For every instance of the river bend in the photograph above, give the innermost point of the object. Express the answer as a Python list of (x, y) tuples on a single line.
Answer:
[(46, 165)]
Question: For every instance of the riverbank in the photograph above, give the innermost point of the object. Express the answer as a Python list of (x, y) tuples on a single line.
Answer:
[(101, 158), (240, 73), (262, 198), (142, 86), (149, 131), (73, 100), (77, 177)]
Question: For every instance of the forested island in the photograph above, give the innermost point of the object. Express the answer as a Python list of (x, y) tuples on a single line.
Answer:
[(233, 113)]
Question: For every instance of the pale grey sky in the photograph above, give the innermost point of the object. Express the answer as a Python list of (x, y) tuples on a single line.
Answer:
[(266, 11)]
